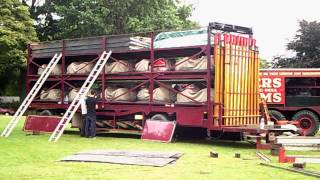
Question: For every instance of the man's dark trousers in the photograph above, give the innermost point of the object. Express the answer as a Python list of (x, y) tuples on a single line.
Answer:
[(90, 126), (83, 125)]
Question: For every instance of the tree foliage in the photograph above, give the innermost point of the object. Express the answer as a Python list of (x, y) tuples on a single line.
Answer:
[(59, 19), (264, 64), (16, 31), (306, 45)]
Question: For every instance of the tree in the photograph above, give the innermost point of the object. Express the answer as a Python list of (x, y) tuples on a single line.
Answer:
[(306, 45), (16, 31), (264, 64), (79, 18)]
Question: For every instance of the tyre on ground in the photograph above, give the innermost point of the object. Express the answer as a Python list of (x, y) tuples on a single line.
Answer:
[(308, 121)]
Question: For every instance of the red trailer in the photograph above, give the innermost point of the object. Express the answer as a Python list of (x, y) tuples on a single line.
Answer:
[(227, 86), (293, 94)]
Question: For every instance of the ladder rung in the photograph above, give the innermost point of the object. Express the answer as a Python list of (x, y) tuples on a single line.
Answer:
[(35, 89), (76, 102)]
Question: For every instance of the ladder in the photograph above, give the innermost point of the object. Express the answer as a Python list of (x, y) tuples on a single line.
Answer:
[(81, 94), (33, 92), (265, 110)]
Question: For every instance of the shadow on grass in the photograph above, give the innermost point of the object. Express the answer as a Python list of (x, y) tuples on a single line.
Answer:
[(188, 136), (221, 143), (107, 134)]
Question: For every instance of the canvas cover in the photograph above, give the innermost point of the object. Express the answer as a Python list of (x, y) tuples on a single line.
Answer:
[(159, 94), (72, 94), (111, 93), (52, 94), (194, 93), (80, 68), (182, 38), (143, 94), (117, 66), (56, 70), (143, 65), (191, 64)]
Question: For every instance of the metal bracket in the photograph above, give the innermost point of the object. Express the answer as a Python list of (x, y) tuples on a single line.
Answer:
[(230, 28)]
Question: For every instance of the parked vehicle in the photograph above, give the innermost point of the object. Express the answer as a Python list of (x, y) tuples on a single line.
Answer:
[(6, 111), (217, 87), (293, 94)]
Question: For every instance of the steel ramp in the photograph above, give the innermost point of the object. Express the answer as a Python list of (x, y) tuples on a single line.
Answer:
[(33, 92), (82, 92)]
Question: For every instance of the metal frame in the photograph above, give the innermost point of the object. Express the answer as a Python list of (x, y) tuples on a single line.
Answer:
[(203, 113)]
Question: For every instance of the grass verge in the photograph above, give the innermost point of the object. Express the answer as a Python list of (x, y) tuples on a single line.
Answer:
[(25, 156)]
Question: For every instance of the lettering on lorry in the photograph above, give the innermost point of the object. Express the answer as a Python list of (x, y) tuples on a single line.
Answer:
[(272, 89)]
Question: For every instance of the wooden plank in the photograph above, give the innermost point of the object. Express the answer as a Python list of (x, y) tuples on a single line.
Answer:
[(49, 50), (83, 42), (80, 48), (142, 161), (46, 45), (263, 157), (297, 140), (307, 173), (315, 160), (301, 147)]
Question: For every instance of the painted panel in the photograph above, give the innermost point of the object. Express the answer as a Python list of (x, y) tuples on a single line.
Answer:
[(41, 123)]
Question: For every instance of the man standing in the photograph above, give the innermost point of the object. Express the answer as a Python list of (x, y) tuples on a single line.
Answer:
[(90, 124), (84, 116)]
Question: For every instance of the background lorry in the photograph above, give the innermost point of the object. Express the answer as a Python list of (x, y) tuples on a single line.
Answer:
[(293, 94)]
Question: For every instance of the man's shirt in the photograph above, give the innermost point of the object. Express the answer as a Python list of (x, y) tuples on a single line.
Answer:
[(91, 106), (83, 106)]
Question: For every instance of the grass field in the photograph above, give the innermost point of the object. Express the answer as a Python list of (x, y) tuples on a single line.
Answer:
[(33, 157)]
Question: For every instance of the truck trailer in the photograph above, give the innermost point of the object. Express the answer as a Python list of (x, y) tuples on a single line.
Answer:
[(293, 94), (206, 78)]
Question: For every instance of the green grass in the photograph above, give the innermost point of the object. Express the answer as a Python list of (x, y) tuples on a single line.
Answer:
[(33, 157)]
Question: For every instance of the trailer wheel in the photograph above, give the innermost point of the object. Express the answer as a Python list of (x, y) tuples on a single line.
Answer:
[(159, 117), (276, 115), (45, 113), (308, 122)]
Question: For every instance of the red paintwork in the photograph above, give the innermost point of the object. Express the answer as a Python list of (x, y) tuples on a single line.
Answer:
[(272, 88), (290, 72), (6, 110), (282, 158), (41, 123), (202, 113), (158, 130)]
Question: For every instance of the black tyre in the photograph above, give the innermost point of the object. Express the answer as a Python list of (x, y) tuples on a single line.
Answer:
[(45, 113), (276, 115), (159, 117), (308, 122)]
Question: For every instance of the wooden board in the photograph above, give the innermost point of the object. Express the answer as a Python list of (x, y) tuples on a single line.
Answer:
[(297, 140)]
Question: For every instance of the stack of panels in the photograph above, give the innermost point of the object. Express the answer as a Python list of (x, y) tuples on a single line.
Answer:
[(126, 43), (236, 81), (91, 45)]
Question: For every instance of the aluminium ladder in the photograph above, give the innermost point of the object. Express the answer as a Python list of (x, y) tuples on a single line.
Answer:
[(82, 92), (33, 92)]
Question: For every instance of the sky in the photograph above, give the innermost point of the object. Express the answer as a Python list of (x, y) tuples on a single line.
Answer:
[(274, 22)]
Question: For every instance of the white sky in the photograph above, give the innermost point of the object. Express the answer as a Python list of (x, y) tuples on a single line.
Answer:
[(274, 22)]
